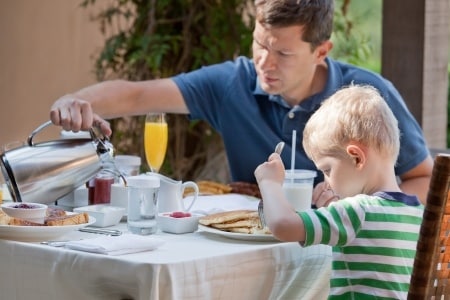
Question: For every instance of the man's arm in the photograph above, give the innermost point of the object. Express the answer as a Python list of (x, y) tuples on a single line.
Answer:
[(112, 99)]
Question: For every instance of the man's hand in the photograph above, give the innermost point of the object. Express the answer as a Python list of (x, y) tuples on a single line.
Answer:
[(76, 114)]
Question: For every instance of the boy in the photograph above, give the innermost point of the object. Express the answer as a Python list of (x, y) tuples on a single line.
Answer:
[(353, 138)]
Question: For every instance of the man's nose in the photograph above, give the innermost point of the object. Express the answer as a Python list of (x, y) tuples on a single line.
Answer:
[(267, 61)]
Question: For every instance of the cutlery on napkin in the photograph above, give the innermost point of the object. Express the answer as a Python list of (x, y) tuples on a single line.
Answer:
[(116, 245)]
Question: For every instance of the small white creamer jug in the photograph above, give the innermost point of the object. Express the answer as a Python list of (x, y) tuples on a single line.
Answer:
[(170, 195)]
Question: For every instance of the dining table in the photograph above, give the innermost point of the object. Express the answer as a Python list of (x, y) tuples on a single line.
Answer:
[(197, 265)]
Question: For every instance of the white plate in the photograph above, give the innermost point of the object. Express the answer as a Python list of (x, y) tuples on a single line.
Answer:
[(38, 233), (239, 236)]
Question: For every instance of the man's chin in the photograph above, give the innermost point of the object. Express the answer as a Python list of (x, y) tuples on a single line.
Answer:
[(269, 89)]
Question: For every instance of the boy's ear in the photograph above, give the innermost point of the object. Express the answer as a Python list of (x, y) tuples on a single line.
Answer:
[(357, 155)]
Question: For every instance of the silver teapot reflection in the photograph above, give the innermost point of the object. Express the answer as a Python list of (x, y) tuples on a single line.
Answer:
[(46, 171)]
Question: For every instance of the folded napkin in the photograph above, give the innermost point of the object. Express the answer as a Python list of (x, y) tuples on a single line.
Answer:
[(116, 245)]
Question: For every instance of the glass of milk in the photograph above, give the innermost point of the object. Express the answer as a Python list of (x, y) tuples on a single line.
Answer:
[(298, 186)]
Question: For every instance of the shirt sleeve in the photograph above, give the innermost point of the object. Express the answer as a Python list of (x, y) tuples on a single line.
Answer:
[(208, 90), (334, 225)]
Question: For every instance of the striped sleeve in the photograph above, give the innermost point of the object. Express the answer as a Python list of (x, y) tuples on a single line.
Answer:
[(335, 225)]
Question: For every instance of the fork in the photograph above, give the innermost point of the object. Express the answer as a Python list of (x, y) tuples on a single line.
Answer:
[(262, 221), (279, 147)]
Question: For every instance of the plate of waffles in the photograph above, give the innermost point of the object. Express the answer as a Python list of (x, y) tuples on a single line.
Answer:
[(236, 224), (256, 237)]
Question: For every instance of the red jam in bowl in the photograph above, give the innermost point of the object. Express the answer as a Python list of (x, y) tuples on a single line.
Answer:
[(180, 214), (26, 206)]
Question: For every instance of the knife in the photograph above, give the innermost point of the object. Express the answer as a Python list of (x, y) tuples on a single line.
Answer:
[(112, 232)]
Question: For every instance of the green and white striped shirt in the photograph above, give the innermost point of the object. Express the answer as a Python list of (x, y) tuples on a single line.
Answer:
[(374, 243)]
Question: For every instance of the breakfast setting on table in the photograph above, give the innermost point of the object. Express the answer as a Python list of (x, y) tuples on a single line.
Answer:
[(73, 203), (77, 181)]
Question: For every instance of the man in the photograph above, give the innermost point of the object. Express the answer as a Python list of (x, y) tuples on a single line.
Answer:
[(256, 103)]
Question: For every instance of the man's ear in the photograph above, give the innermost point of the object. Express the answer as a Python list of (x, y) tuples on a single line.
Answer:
[(323, 50), (357, 155)]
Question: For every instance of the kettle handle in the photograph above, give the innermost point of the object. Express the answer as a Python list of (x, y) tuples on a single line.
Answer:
[(31, 136), (46, 124)]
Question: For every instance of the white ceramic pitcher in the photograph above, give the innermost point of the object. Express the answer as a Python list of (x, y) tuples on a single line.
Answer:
[(170, 195)]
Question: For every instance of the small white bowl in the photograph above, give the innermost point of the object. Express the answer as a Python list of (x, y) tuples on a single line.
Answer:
[(177, 225), (33, 212), (105, 215)]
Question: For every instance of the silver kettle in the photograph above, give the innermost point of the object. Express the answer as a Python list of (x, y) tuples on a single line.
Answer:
[(46, 171)]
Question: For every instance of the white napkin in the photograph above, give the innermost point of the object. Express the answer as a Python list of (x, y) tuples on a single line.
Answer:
[(116, 245)]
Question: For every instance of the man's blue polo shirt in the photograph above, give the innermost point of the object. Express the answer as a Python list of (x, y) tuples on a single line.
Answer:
[(251, 122)]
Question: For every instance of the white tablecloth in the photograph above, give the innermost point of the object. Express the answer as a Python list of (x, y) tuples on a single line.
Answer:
[(188, 266)]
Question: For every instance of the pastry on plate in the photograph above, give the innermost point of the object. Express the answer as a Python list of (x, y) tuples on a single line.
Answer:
[(240, 221)]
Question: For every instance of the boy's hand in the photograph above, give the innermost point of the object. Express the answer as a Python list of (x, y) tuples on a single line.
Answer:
[(272, 170)]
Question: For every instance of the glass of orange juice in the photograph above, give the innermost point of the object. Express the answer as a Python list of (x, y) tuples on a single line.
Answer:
[(155, 140)]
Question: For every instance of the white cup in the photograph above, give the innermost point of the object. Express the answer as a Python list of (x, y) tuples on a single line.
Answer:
[(298, 187), (80, 197), (119, 196)]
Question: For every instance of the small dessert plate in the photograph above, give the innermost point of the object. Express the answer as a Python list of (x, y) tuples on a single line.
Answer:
[(175, 222), (33, 212)]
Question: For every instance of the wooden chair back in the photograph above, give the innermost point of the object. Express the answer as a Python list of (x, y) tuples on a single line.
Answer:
[(430, 277)]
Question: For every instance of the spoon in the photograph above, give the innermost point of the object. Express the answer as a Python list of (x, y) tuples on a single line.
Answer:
[(279, 147), (112, 232)]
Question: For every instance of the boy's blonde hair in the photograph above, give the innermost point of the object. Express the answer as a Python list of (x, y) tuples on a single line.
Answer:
[(356, 113)]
